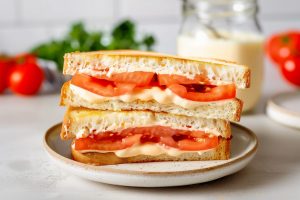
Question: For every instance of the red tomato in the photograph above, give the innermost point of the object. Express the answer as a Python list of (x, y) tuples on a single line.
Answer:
[(25, 58), (166, 79), (284, 45), (26, 79), (100, 86), (209, 94), (198, 134), (290, 70), (137, 78), (168, 141), (183, 139), (198, 144), (107, 144), (5, 67)]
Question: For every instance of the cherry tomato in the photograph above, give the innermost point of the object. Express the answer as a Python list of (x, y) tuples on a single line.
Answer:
[(290, 70), (6, 65), (25, 58), (26, 78), (282, 46)]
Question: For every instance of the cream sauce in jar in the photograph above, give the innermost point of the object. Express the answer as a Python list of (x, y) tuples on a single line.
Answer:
[(242, 48)]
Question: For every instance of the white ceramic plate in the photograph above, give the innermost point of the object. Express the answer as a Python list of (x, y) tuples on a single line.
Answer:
[(156, 174), (285, 108)]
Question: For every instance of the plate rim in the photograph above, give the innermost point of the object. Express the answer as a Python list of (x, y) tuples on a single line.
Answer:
[(272, 104), (104, 168)]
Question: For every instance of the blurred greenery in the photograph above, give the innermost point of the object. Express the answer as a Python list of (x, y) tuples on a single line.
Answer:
[(123, 36)]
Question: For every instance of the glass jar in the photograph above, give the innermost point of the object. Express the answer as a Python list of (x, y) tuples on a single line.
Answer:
[(227, 30)]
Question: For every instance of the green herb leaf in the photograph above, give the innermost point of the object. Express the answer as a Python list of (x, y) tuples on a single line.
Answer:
[(123, 36)]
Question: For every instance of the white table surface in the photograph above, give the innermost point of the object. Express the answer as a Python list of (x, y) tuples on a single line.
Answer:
[(27, 173)]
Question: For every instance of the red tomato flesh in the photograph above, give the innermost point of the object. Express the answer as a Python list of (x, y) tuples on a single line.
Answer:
[(181, 139), (105, 144), (166, 79), (100, 86), (204, 93), (138, 78), (126, 83)]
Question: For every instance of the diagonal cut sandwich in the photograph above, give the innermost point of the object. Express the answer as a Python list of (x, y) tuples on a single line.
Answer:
[(132, 106)]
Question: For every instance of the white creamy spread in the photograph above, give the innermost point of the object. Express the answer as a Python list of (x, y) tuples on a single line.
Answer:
[(155, 93), (145, 149)]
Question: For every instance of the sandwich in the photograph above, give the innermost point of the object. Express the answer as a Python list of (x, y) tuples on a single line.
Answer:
[(132, 106)]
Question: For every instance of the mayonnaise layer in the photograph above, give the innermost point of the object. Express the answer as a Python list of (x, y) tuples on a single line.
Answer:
[(155, 93), (145, 149)]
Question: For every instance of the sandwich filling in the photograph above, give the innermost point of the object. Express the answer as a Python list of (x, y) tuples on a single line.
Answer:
[(146, 86), (153, 141), (162, 96)]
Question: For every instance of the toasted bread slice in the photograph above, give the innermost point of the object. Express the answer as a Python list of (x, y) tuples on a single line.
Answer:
[(221, 152), (81, 120), (226, 109), (98, 63)]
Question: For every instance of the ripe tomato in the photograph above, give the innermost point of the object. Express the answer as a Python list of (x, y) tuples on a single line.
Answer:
[(5, 67), (290, 70), (284, 45), (166, 79), (100, 86), (25, 58), (106, 144), (137, 78), (26, 79), (168, 141), (210, 94), (198, 144), (166, 136)]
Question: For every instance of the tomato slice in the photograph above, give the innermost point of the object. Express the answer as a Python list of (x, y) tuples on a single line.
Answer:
[(207, 94), (102, 87), (198, 144), (106, 144), (125, 83), (169, 142), (138, 78), (166, 136), (167, 79)]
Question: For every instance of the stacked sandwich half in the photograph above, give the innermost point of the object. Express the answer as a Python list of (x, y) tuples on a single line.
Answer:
[(132, 106)]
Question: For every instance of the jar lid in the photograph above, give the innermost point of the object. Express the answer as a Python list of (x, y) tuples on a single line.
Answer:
[(285, 108)]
